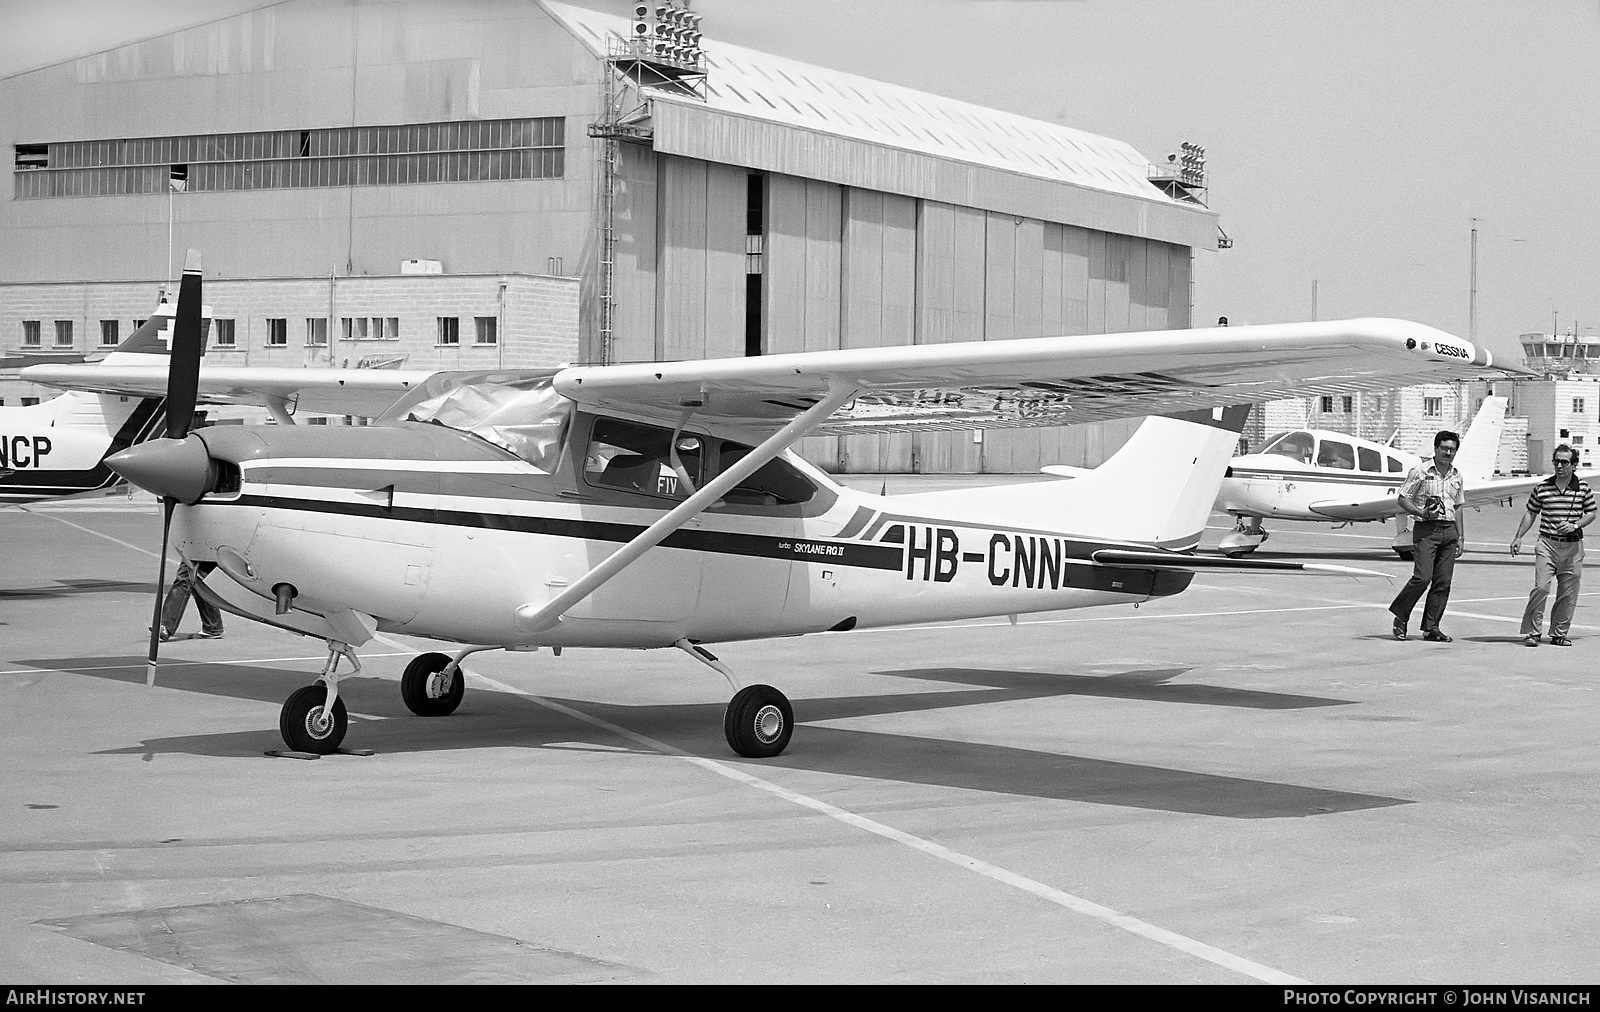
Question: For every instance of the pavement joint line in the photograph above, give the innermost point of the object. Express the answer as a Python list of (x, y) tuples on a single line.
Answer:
[(1050, 894), (180, 664), (88, 530)]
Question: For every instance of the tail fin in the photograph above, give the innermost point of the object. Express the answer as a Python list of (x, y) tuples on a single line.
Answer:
[(154, 336), (1158, 489), (1480, 447)]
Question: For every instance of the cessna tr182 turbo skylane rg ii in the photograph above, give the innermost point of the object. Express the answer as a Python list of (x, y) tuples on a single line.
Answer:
[(1320, 475), (657, 505)]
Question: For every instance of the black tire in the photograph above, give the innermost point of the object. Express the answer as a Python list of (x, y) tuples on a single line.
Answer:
[(1406, 554), (420, 689), (299, 721), (758, 722)]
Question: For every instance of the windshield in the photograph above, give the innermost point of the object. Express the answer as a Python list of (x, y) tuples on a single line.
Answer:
[(519, 411), (1296, 445)]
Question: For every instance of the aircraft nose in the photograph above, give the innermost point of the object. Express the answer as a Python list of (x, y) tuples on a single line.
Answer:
[(171, 468)]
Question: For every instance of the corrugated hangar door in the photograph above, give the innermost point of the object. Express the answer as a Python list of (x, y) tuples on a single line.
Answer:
[(878, 290), (700, 274), (801, 278)]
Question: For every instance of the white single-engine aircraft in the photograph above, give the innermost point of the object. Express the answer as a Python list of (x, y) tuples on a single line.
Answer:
[(1319, 475), (58, 448), (657, 505)]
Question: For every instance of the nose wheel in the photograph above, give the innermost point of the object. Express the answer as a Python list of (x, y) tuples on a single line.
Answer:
[(313, 719), (308, 724)]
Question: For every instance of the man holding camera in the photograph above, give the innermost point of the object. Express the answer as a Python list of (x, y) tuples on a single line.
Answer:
[(1565, 506), (1432, 492)]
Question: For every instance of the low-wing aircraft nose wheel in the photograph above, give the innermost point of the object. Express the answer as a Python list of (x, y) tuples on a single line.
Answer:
[(426, 688), (758, 722), (306, 724)]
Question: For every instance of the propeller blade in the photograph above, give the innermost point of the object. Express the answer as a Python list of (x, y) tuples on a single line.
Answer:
[(161, 593), (183, 372)]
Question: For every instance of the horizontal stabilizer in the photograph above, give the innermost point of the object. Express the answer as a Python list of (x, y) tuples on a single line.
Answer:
[(1066, 470), (1192, 563)]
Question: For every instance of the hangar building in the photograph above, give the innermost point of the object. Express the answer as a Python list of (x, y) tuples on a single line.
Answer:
[(494, 183)]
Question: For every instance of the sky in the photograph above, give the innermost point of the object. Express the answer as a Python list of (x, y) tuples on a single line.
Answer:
[(1353, 146)]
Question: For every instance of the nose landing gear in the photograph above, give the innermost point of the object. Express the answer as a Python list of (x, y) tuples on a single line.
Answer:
[(313, 719)]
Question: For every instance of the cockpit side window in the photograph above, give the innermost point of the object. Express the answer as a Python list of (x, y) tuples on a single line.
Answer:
[(1371, 460), (1333, 453), (775, 483), (1295, 445), (633, 457), (1394, 465)]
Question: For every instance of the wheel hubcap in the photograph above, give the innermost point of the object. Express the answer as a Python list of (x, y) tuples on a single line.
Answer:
[(318, 723), (438, 685), (769, 723)]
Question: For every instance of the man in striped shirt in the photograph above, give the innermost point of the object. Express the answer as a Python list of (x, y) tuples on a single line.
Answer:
[(1565, 506)]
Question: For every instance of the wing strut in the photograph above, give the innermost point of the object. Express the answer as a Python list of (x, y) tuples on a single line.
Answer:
[(535, 618)]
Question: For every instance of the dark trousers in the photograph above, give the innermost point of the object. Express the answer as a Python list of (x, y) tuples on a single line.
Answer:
[(1434, 565), (177, 600)]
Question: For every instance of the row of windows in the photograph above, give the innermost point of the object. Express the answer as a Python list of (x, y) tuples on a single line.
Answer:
[(364, 156), (225, 332), (465, 135), (378, 170)]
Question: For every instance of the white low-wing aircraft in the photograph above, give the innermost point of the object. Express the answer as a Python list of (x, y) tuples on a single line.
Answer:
[(658, 505), (58, 448), (1319, 475)]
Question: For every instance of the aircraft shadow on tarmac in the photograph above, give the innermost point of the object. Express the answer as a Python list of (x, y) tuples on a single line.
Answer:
[(489, 719)]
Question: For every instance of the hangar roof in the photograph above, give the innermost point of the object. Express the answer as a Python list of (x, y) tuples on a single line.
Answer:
[(770, 112)]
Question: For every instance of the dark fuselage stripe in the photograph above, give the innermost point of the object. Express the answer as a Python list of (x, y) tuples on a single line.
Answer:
[(719, 542), (1352, 478)]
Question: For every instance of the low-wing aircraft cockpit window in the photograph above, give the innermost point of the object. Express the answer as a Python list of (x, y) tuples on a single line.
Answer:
[(1295, 445), (517, 411), (1371, 460), (635, 457), (775, 483), (1333, 453), (1394, 465)]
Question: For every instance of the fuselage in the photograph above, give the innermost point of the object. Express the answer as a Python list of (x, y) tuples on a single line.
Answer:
[(58, 448), (434, 532), (1314, 475)]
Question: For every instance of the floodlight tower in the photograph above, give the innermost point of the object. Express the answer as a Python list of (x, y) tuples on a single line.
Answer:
[(661, 55)]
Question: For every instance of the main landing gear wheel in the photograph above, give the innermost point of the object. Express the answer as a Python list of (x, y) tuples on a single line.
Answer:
[(305, 724), (427, 693), (758, 722)]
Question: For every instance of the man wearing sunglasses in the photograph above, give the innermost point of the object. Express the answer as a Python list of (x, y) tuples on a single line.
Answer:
[(1432, 492), (1564, 505)]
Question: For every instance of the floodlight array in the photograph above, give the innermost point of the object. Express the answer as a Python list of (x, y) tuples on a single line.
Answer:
[(667, 32)]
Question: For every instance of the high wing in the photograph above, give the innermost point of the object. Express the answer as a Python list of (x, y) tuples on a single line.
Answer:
[(364, 392), (1035, 381)]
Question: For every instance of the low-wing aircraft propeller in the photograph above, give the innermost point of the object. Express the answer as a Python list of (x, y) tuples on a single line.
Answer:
[(658, 504)]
